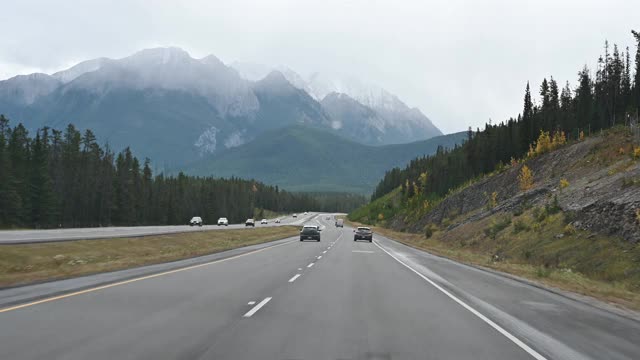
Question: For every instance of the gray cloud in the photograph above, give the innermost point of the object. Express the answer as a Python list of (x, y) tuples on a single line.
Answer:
[(460, 62)]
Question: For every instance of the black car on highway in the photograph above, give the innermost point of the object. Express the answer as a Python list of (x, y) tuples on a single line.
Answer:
[(363, 233), (310, 232)]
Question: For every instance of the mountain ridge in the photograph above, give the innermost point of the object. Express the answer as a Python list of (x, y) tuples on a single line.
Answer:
[(288, 157), (175, 109)]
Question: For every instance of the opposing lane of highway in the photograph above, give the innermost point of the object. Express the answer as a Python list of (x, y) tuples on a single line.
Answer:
[(52, 235), (336, 299)]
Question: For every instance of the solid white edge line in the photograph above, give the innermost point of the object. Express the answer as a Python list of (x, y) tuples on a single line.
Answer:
[(475, 312), (310, 265), (257, 307), (294, 278)]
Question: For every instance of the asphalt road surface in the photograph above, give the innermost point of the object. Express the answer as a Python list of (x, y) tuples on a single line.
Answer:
[(52, 235), (333, 299)]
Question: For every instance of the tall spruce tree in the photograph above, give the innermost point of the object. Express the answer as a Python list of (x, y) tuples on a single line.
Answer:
[(9, 198), (528, 128), (636, 79), (41, 194)]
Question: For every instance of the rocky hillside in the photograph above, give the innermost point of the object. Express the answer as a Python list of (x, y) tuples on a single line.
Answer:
[(576, 228), (600, 191)]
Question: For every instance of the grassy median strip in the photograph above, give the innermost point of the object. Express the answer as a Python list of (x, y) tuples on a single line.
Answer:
[(23, 264)]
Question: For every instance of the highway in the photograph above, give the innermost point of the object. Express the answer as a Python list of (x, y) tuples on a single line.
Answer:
[(52, 235), (333, 299)]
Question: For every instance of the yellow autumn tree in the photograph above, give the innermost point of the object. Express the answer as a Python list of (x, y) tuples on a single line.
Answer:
[(525, 178), (544, 143), (423, 180), (559, 139), (564, 183), (416, 189)]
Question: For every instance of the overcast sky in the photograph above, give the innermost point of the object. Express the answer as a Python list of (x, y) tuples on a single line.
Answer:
[(460, 62)]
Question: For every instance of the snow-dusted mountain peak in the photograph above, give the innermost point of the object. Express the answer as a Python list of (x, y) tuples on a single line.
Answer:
[(159, 56), (73, 72)]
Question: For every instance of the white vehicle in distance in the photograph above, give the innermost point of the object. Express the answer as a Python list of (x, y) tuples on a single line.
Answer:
[(306, 213), (263, 221), (295, 215), (278, 221), (196, 220), (223, 221), (250, 222)]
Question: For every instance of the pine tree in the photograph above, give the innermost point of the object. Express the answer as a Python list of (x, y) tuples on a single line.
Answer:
[(19, 146), (636, 79), (626, 81), (554, 105), (614, 87), (528, 127), (545, 109), (584, 100), (566, 109), (42, 204), (9, 198)]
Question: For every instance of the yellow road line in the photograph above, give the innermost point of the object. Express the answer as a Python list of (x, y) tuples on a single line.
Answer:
[(60, 297)]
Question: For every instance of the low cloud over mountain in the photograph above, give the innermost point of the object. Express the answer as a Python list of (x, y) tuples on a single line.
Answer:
[(176, 109)]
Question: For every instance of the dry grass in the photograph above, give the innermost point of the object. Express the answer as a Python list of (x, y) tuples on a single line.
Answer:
[(21, 264)]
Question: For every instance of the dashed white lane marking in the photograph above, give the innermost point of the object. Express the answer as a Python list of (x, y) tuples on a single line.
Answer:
[(324, 252), (319, 257), (251, 303), (363, 251), (310, 265), (294, 278), (299, 269), (475, 312), (257, 307)]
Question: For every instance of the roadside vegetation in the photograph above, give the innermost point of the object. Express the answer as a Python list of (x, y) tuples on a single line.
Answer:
[(28, 263), (548, 195)]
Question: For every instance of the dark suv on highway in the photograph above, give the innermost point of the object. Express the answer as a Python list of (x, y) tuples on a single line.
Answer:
[(363, 233), (310, 233)]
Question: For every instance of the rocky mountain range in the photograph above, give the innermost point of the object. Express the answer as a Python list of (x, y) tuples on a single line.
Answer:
[(176, 109)]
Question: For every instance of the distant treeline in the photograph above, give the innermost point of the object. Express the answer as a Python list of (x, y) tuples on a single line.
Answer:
[(337, 201), (64, 178), (611, 97)]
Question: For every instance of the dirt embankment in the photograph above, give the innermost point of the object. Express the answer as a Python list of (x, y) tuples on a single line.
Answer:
[(602, 195)]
